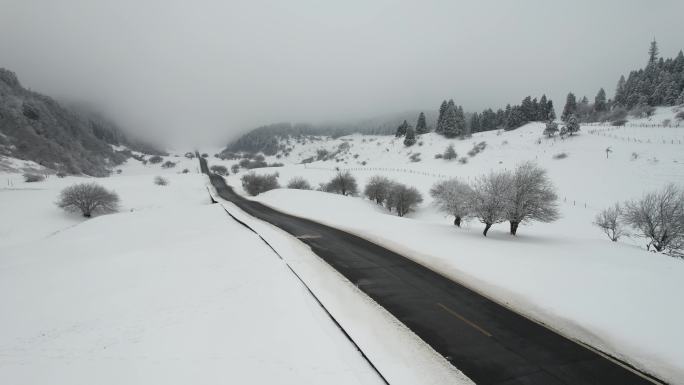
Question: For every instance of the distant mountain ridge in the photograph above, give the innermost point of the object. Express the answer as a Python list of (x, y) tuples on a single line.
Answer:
[(35, 127)]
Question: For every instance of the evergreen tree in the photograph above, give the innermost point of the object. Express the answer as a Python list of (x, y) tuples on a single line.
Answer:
[(653, 52), (550, 111), (620, 91), (572, 126), (461, 126), (450, 121), (680, 99), (516, 118), (600, 101), (475, 123), (421, 126), (401, 130), (543, 112), (527, 109), (570, 107), (410, 139), (551, 129), (440, 119)]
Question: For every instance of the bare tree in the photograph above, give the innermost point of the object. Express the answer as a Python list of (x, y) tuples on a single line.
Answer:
[(454, 197), (343, 183), (609, 221), (531, 197), (298, 183), (489, 198), (403, 198), (88, 198), (659, 217), (377, 188), (219, 169), (256, 184)]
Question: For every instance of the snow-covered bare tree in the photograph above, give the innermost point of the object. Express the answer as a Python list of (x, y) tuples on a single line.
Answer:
[(453, 197), (551, 129), (489, 198), (298, 183), (88, 198), (343, 183), (403, 198), (659, 217), (377, 188), (530, 197), (609, 222)]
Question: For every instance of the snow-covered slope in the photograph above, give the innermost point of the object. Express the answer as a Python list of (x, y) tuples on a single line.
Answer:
[(614, 296)]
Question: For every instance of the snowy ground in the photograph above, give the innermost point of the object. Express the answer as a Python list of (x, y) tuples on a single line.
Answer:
[(614, 296), (168, 290)]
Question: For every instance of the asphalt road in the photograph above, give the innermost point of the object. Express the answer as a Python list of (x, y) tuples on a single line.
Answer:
[(488, 342)]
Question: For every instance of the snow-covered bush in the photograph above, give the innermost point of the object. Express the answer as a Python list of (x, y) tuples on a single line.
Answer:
[(477, 148), (450, 153), (168, 164), (403, 199), (377, 188), (343, 183), (453, 197), (609, 222), (185, 171), (160, 181), (560, 155), (530, 196), (489, 198), (88, 198), (680, 115), (659, 217), (219, 169), (415, 157), (642, 110), (298, 183), (30, 178), (255, 184), (551, 129), (235, 168), (155, 159)]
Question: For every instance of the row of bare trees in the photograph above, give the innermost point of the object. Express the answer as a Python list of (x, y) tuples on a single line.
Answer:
[(393, 195), (521, 196), (657, 216)]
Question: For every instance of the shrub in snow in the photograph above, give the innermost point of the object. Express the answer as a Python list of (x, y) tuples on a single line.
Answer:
[(551, 129), (530, 197), (160, 181), (185, 171), (343, 183), (30, 178), (219, 169), (61, 174), (609, 222), (619, 122), (680, 115), (256, 184), (403, 199), (477, 148), (571, 126), (463, 160), (439, 156), (450, 153), (205, 155), (155, 159), (168, 164), (415, 158), (489, 198), (235, 168), (88, 198), (377, 189), (453, 197), (298, 183), (560, 155), (659, 217), (189, 155)]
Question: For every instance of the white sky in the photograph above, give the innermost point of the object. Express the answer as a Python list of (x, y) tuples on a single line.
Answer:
[(209, 69)]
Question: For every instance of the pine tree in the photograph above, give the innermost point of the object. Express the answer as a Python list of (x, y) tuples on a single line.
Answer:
[(461, 127), (527, 109), (410, 139), (401, 130), (600, 101), (421, 126), (440, 119), (570, 107), (450, 124), (543, 113), (551, 129), (680, 99), (572, 126), (620, 92), (653, 52), (516, 118), (550, 111), (475, 123)]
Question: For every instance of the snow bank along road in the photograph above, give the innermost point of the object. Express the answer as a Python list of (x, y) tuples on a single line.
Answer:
[(486, 341)]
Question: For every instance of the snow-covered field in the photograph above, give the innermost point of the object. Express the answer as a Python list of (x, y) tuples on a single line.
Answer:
[(169, 290), (614, 296)]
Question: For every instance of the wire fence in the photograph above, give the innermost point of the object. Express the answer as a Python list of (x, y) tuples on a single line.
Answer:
[(608, 133)]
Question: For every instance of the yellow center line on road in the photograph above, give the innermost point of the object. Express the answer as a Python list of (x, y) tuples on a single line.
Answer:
[(462, 318)]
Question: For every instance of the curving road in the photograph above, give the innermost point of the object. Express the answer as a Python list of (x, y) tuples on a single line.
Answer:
[(488, 342)]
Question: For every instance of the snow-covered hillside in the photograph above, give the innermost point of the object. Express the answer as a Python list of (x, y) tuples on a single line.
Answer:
[(614, 296), (168, 290)]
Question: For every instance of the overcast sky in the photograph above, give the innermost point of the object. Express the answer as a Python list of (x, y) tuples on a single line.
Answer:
[(212, 68)]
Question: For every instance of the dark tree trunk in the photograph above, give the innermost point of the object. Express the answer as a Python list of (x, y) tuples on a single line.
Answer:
[(457, 221), (514, 227), (86, 214), (487, 226)]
